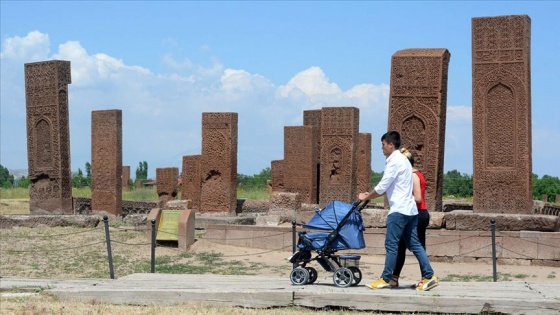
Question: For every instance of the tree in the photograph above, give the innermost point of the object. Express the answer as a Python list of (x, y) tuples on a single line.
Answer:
[(254, 181), (78, 180), (88, 170), (142, 171), (548, 185), (6, 179), (457, 184), (22, 182), (375, 178)]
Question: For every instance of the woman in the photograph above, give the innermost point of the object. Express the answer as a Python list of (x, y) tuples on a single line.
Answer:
[(419, 192)]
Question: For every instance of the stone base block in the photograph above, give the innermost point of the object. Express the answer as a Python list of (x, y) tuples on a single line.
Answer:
[(10, 221), (285, 204), (468, 221), (186, 229)]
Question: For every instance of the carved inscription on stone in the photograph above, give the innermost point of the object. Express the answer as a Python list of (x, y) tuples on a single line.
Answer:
[(339, 149), (501, 104), (48, 136), (218, 167), (166, 183), (300, 168), (106, 161), (191, 180), (363, 174), (417, 110)]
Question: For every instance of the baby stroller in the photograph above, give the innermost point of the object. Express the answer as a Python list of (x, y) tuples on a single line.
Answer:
[(343, 229)]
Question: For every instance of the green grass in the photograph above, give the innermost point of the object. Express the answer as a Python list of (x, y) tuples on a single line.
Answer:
[(252, 193), (14, 193), (138, 194)]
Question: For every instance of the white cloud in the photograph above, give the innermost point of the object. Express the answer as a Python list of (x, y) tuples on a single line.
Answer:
[(162, 112), (312, 81), (459, 113), (33, 47)]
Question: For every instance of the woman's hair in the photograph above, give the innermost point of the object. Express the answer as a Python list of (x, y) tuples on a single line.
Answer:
[(408, 155)]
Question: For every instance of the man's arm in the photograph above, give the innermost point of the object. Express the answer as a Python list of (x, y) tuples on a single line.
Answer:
[(368, 195)]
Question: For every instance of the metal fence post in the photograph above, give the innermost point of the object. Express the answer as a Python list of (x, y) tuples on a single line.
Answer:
[(153, 260), (109, 253), (493, 228)]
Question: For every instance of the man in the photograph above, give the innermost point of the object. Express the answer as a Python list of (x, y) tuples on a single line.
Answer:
[(403, 214)]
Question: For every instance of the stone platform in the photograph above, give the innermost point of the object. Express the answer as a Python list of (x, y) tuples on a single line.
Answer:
[(266, 292)]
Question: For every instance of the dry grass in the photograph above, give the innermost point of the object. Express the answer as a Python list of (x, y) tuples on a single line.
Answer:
[(43, 304), (71, 252), (14, 206)]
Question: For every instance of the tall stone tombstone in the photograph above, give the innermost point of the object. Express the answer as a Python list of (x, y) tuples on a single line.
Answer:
[(313, 118), (363, 174), (126, 178), (218, 166), (339, 150), (167, 183), (501, 114), (106, 161), (48, 137), (417, 110), (300, 162), (277, 174), (191, 180)]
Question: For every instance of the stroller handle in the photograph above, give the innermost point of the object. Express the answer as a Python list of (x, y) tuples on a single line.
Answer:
[(361, 204)]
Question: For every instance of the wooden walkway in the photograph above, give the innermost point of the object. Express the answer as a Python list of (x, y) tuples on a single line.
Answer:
[(263, 292)]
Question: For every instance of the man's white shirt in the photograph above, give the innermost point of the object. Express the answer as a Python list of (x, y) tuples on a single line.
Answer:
[(397, 184)]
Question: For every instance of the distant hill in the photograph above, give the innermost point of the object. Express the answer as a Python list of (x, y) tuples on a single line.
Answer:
[(18, 173)]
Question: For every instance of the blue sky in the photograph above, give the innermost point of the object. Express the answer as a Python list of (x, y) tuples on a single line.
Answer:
[(165, 63)]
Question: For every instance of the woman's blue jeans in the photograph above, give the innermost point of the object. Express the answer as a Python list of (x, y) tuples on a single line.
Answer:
[(399, 225)]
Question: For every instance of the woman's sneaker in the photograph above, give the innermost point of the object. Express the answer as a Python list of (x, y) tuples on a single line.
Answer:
[(427, 283), (378, 284)]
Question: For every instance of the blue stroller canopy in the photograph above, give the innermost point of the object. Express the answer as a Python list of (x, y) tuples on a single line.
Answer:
[(330, 218)]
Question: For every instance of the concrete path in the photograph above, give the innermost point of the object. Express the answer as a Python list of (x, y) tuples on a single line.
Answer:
[(263, 292)]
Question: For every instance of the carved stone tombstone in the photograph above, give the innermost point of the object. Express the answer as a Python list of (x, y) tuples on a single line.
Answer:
[(166, 183), (339, 149), (191, 180), (501, 105), (126, 178), (417, 110), (300, 167), (363, 174), (218, 167), (277, 174), (48, 137), (106, 161)]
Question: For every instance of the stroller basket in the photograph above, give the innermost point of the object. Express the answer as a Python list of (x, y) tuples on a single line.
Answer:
[(350, 261)]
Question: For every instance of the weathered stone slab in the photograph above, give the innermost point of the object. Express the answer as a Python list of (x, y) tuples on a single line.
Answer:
[(10, 221), (203, 220), (48, 136), (417, 110), (186, 229), (377, 218), (501, 114), (106, 161), (285, 204), (469, 221)]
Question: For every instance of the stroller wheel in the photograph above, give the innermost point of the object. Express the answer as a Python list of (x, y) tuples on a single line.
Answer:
[(312, 274), (299, 276), (357, 275), (343, 277)]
